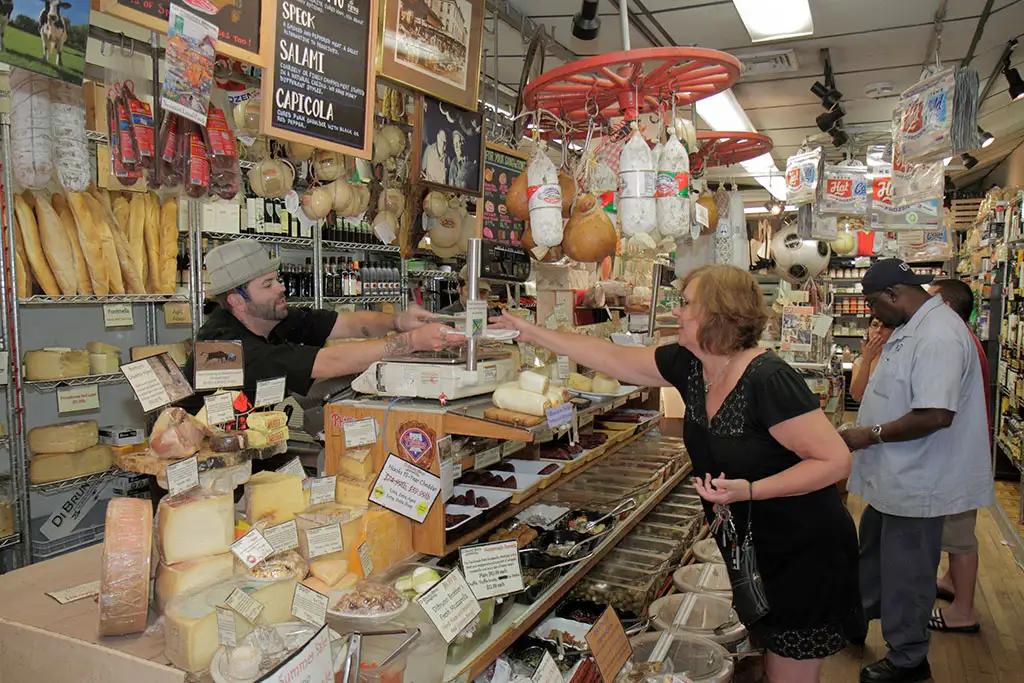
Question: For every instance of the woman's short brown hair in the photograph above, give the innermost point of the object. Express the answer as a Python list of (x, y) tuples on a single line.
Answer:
[(730, 308)]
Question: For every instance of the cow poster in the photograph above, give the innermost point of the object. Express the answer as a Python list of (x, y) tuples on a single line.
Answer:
[(45, 36)]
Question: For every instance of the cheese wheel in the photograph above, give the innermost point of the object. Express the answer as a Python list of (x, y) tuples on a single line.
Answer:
[(127, 552), (195, 524), (63, 438), (44, 364), (48, 467)]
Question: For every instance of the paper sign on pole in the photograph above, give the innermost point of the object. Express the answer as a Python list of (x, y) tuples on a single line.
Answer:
[(78, 399), (607, 640), (269, 392)]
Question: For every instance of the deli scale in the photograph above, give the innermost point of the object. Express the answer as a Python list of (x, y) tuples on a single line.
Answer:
[(479, 367)]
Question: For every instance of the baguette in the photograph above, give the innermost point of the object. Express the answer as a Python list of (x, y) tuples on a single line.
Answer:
[(168, 246), (29, 232), (21, 283), (154, 277), (135, 230), (67, 219), (105, 229), (131, 278), (105, 197), (90, 239), (56, 246), (121, 212)]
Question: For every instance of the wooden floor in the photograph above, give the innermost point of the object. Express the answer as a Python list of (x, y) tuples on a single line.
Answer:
[(1008, 496), (996, 655)]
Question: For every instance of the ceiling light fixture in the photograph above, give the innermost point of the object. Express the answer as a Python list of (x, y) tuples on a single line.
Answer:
[(839, 137), (830, 119), (1014, 80), (776, 20), (986, 138), (774, 207), (585, 23), (829, 96), (969, 160)]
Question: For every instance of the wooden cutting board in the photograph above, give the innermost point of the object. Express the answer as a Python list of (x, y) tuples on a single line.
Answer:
[(512, 417)]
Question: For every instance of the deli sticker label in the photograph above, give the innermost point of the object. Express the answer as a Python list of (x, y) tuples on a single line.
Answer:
[(252, 548), (78, 399), (269, 392), (118, 315), (360, 433), (406, 489), (246, 605), (283, 536), (226, 633), (492, 456), (365, 558)]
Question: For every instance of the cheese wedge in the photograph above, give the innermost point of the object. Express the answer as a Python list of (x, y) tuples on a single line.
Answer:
[(357, 463), (190, 620), (46, 364), (273, 497), (195, 524), (354, 492), (63, 438), (174, 579), (265, 422), (124, 581), (389, 537), (49, 467)]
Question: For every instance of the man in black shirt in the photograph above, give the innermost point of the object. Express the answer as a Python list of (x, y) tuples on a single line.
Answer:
[(280, 341)]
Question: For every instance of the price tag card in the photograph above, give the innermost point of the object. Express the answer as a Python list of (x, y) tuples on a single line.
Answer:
[(313, 663), (586, 419), (510, 447), (560, 415), (269, 392), (702, 219), (218, 364), (456, 471), (822, 323), (177, 313), (220, 408), (283, 536), (529, 354), (406, 489), (252, 548), (322, 489), (157, 381), (360, 433), (447, 480), (476, 318), (324, 540), (450, 605), (183, 475), (246, 605), (492, 568), (544, 436), (226, 633), (365, 559), (293, 466), (78, 399), (309, 605), (608, 642), (492, 456), (563, 367), (118, 315), (547, 671), (85, 590)]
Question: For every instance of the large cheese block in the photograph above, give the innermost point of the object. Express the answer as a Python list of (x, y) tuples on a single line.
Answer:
[(124, 581), (103, 363), (264, 422), (100, 347), (179, 352), (389, 537), (330, 570), (190, 620), (256, 438), (49, 467), (50, 364), (174, 579), (356, 463), (273, 497), (195, 524), (63, 438), (277, 435), (353, 492)]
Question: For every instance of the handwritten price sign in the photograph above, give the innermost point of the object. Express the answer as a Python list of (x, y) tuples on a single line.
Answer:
[(406, 489)]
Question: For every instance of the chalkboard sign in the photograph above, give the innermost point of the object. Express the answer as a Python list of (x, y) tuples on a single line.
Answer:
[(319, 86), (501, 167), (237, 22)]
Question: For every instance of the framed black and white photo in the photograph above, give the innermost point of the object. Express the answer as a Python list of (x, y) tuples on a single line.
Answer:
[(449, 146)]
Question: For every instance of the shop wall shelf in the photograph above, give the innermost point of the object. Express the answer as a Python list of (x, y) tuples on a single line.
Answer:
[(362, 299), (359, 246), (279, 240), (80, 299), (50, 385), (8, 541), (446, 274), (75, 482)]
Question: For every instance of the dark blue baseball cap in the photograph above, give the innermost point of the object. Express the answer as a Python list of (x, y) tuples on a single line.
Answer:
[(890, 272)]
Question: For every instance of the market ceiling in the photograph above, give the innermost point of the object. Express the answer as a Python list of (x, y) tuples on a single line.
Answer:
[(868, 42)]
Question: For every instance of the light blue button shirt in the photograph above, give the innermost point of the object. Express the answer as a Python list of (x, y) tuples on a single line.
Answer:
[(930, 362)]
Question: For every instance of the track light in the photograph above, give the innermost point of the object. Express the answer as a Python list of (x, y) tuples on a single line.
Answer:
[(948, 185), (969, 161), (829, 96), (773, 207), (585, 23), (829, 119), (839, 137), (986, 138), (1015, 81)]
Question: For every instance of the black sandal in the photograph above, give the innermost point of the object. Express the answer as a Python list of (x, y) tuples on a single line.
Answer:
[(938, 623)]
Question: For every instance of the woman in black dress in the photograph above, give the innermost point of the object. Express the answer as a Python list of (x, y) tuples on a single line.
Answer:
[(752, 427)]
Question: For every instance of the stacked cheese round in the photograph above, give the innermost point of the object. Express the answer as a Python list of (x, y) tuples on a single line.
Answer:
[(66, 450)]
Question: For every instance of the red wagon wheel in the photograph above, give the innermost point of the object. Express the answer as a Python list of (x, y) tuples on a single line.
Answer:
[(722, 148), (631, 82)]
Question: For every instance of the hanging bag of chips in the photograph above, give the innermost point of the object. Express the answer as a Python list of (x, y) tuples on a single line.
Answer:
[(803, 174)]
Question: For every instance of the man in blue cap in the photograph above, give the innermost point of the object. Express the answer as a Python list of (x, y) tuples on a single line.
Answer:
[(922, 454)]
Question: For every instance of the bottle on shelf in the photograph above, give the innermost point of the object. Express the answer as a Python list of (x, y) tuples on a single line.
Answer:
[(358, 279)]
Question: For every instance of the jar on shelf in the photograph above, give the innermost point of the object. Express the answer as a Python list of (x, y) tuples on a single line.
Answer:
[(6, 507)]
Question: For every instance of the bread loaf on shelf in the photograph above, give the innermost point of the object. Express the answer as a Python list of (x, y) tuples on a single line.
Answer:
[(90, 239), (135, 230), (151, 250), (54, 239), (67, 219), (168, 245), (105, 234), (29, 231)]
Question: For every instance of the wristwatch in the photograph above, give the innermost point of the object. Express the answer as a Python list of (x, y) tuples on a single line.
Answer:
[(876, 433)]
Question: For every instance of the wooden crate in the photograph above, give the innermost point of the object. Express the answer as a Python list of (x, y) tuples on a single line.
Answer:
[(963, 213)]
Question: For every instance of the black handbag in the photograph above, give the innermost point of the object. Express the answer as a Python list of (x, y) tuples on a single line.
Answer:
[(748, 597)]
